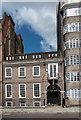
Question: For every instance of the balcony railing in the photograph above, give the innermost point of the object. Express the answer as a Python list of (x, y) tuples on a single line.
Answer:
[(32, 56), (69, 1)]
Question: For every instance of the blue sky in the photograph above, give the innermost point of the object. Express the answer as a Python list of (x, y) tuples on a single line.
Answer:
[(36, 22)]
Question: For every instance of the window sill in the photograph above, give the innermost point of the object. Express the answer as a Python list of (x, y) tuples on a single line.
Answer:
[(22, 76), (8, 97), (22, 97), (36, 76), (8, 77), (37, 97)]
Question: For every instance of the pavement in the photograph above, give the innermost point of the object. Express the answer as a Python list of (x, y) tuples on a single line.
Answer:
[(48, 109)]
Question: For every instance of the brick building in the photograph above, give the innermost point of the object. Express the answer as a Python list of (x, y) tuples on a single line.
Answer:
[(40, 79), (12, 44), (0, 62)]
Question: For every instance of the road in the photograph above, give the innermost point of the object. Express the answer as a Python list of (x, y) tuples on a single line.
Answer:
[(74, 116)]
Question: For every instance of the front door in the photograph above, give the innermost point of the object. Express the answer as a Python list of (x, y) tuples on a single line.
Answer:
[(53, 96)]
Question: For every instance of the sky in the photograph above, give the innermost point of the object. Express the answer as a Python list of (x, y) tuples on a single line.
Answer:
[(36, 22)]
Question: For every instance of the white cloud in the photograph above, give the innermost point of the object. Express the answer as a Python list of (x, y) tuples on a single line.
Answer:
[(41, 18), (30, 0)]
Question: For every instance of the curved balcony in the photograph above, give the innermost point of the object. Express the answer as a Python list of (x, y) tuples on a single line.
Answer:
[(70, 2), (72, 27)]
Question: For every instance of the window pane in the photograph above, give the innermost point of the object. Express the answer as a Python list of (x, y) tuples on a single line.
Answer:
[(71, 76), (22, 71), (54, 70), (36, 104), (8, 72), (22, 104), (8, 90), (36, 90), (36, 70), (22, 90), (8, 103), (51, 73)]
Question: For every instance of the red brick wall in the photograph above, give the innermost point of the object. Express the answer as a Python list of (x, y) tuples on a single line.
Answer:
[(9, 34), (0, 62)]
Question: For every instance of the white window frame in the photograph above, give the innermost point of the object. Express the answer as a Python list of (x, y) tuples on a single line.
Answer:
[(36, 102), (19, 72), (72, 27), (56, 70), (75, 74), (39, 90), (19, 91), (5, 72), (33, 71), (10, 102), (21, 103), (6, 90), (71, 93)]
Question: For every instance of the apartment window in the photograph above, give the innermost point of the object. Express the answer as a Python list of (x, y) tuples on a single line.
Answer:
[(74, 0), (74, 59), (8, 90), (37, 103), (73, 43), (22, 72), (22, 104), (73, 76), (8, 72), (53, 70), (36, 90), (78, 76), (22, 90), (67, 77), (73, 93), (72, 12), (36, 70), (70, 60), (9, 103), (68, 93), (72, 27), (77, 59)]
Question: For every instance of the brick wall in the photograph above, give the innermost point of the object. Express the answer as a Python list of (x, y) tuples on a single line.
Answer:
[(11, 43), (30, 79), (0, 62)]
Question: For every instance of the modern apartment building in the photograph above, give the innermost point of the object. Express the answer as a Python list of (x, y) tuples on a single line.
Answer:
[(41, 79), (71, 37)]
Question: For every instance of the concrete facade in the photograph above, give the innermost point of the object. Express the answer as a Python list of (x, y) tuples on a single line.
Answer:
[(71, 36)]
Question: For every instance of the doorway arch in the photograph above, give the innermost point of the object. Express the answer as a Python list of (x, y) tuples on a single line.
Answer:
[(53, 95)]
